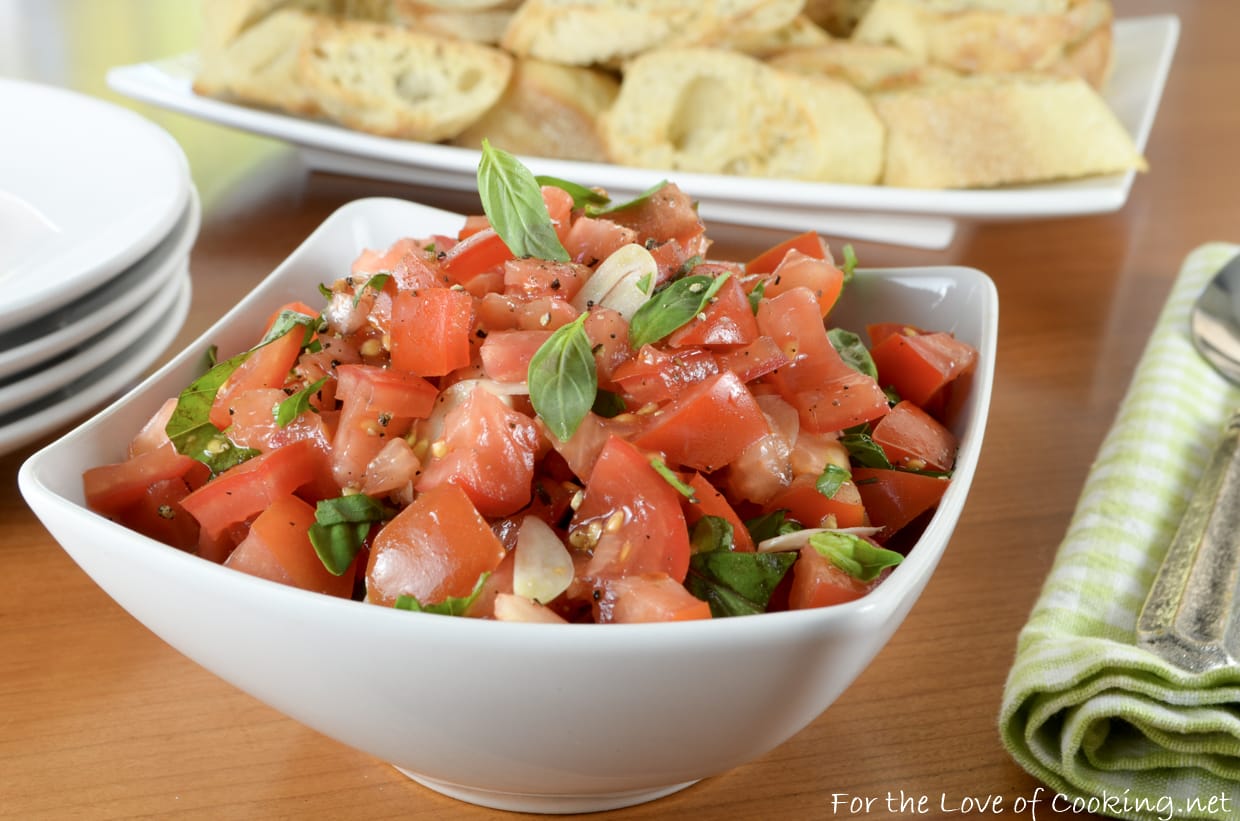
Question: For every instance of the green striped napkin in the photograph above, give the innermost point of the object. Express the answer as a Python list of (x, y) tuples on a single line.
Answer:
[(1104, 723)]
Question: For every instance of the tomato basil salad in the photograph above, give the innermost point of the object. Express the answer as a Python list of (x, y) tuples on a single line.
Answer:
[(567, 412)]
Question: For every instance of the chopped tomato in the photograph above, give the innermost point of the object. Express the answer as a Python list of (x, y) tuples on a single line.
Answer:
[(843, 401), (630, 518), (755, 360), (667, 214), (914, 439), (808, 243), (648, 597), (811, 508), (111, 488), (250, 487), (792, 319), (431, 331), (476, 254), (820, 276), (488, 450), (439, 546), (728, 321), (159, 515), (506, 355), (707, 501), (543, 277), (707, 426), (817, 582), (591, 240), (921, 366), (379, 404), (655, 376), (266, 367), (559, 207), (278, 548), (893, 498)]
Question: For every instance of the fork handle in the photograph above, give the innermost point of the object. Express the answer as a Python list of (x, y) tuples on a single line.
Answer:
[(1191, 617)]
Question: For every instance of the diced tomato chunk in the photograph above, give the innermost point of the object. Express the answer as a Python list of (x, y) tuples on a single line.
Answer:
[(630, 517), (109, 489), (378, 404), (431, 331), (267, 367), (278, 548), (808, 243), (708, 501), (439, 546), (655, 375), (809, 507), (755, 360), (506, 355), (921, 366), (474, 255), (792, 319), (893, 498), (707, 426), (914, 439), (843, 401), (646, 598), (592, 240), (817, 582), (728, 321), (797, 270)]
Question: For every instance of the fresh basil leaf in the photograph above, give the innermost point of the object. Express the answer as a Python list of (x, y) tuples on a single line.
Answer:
[(375, 283), (513, 203), (850, 263), (340, 528), (297, 404), (669, 475), (288, 321), (770, 525), (854, 555), (671, 307), (451, 606), (833, 476), (755, 296), (582, 196), (688, 265), (608, 404), (865, 451), (853, 351), (563, 378), (736, 584), (611, 208), (190, 429), (711, 533)]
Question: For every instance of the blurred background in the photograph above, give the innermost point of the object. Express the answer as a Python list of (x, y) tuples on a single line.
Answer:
[(73, 43)]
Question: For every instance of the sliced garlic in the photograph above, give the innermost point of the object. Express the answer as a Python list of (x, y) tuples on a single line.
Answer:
[(622, 282), (542, 567)]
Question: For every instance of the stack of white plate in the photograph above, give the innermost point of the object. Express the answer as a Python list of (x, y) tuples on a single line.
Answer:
[(97, 219)]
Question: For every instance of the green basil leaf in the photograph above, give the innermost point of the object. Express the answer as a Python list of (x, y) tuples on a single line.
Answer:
[(375, 283), (850, 263), (833, 476), (190, 429), (608, 404), (581, 195), (451, 606), (711, 533), (736, 584), (755, 296), (865, 451), (513, 203), (341, 526), (563, 378), (288, 321), (598, 210), (854, 555), (297, 404), (671, 307), (770, 525), (853, 351), (669, 475)]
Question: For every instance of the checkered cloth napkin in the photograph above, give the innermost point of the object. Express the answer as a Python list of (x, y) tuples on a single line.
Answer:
[(1098, 719)]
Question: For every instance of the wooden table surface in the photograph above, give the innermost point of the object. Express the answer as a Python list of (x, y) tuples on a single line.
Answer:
[(100, 719)]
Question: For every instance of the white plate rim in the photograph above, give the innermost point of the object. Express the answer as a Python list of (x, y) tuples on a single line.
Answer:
[(43, 338), (1144, 48), (59, 271), (38, 418)]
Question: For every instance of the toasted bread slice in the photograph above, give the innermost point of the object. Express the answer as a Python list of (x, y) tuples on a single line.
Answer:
[(868, 66), (396, 82), (985, 131), (258, 63), (608, 32), (477, 25), (716, 111), (973, 36), (548, 110), (800, 32)]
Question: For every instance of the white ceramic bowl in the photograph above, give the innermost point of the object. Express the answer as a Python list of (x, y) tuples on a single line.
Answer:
[(533, 717)]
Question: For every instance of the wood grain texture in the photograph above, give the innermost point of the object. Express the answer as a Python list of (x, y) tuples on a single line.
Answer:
[(99, 719)]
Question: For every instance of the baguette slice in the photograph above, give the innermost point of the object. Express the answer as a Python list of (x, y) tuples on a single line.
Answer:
[(548, 110), (980, 132), (258, 65), (975, 36), (394, 82), (867, 66), (608, 32), (720, 112)]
